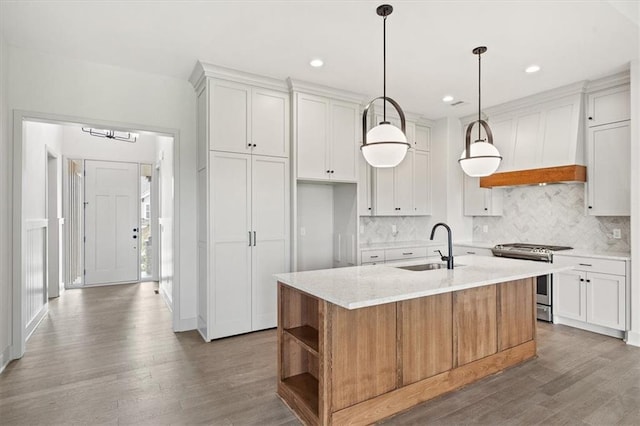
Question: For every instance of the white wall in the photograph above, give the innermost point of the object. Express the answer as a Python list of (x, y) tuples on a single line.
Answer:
[(634, 334), (5, 211), (164, 159), (56, 85)]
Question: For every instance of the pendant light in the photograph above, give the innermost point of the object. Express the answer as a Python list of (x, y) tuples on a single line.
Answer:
[(385, 145), (480, 158)]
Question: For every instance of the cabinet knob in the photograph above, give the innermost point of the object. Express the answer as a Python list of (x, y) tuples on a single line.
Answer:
[(581, 279), (332, 171), (590, 118), (485, 209), (368, 208), (590, 207), (254, 145), (328, 171), (249, 145), (588, 281)]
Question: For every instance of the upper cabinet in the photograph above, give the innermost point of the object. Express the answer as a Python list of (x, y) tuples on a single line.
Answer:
[(422, 141), (608, 152), (481, 201), (246, 119), (326, 134), (609, 106)]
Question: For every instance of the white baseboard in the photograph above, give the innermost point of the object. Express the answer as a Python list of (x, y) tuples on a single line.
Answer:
[(5, 357), (187, 324), (633, 338), (589, 327), (35, 322), (167, 298)]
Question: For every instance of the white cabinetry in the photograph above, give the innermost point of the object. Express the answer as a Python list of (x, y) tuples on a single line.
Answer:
[(326, 138), (481, 201), (365, 205), (398, 254), (609, 151), (247, 119), (592, 295), (404, 190), (243, 214), (609, 106), (463, 250)]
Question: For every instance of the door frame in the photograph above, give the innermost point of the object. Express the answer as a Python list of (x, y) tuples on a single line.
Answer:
[(18, 335)]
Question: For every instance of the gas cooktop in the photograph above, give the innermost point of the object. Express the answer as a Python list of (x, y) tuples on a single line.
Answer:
[(529, 251)]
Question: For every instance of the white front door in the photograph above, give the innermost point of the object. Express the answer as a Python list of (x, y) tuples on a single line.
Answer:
[(111, 222)]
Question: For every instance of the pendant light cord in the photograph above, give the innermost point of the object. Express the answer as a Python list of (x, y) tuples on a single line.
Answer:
[(384, 69), (479, 94)]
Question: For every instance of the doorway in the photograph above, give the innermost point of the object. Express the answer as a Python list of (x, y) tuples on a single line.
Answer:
[(65, 164)]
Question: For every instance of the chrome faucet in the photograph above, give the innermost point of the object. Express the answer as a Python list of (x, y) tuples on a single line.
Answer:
[(448, 258)]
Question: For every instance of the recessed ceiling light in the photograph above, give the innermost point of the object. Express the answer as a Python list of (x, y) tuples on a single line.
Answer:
[(316, 63), (447, 98), (532, 68)]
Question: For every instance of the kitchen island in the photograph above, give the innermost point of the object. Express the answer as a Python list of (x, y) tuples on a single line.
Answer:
[(358, 344)]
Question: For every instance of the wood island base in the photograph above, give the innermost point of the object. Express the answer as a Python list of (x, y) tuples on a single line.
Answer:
[(338, 366)]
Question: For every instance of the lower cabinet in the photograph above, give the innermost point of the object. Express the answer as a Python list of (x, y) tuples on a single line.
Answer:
[(390, 255), (593, 294), (248, 241)]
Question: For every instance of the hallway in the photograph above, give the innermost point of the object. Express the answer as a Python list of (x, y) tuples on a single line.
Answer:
[(108, 355)]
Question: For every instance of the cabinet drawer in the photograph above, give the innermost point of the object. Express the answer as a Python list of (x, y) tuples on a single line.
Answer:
[(371, 256), (605, 266), (466, 250), (405, 253)]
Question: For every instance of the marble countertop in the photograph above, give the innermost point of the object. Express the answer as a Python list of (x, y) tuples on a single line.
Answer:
[(611, 255), (361, 286)]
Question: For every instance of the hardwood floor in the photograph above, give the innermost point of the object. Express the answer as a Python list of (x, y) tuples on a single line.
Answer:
[(108, 355)]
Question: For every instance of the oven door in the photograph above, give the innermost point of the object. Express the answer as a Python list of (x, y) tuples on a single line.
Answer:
[(543, 290)]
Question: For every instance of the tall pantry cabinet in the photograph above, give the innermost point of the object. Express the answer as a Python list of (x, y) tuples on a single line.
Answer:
[(243, 209)]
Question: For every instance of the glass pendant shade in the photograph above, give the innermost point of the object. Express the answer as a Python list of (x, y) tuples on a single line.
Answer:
[(386, 146), (484, 159)]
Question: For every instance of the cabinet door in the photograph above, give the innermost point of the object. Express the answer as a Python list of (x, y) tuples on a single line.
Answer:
[(270, 122), (606, 300), (312, 119), (569, 296), (230, 262), (403, 185), (383, 192), (423, 138), (229, 115), (481, 201), (609, 106), (422, 183), (270, 221), (364, 187), (344, 142), (609, 170), (410, 133)]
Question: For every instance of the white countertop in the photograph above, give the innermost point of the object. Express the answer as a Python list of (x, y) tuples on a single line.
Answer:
[(611, 255), (362, 286)]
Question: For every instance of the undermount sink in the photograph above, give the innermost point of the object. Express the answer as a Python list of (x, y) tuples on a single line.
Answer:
[(425, 267)]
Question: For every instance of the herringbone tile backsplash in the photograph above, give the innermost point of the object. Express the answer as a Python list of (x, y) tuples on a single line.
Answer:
[(552, 214)]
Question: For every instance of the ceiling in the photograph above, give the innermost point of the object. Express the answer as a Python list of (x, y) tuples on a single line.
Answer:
[(429, 43)]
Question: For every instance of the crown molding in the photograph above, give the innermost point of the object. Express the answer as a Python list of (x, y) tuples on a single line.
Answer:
[(618, 79), (529, 101), (320, 90), (202, 71)]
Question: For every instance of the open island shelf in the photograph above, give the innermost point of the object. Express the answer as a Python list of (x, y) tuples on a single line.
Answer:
[(357, 366)]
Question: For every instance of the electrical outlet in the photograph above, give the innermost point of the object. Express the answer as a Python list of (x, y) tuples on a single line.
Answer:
[(394, 229), (303, 231), (485, 228), (617, 234)]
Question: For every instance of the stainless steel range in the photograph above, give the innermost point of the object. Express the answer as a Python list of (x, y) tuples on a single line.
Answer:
[(541, 253)]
